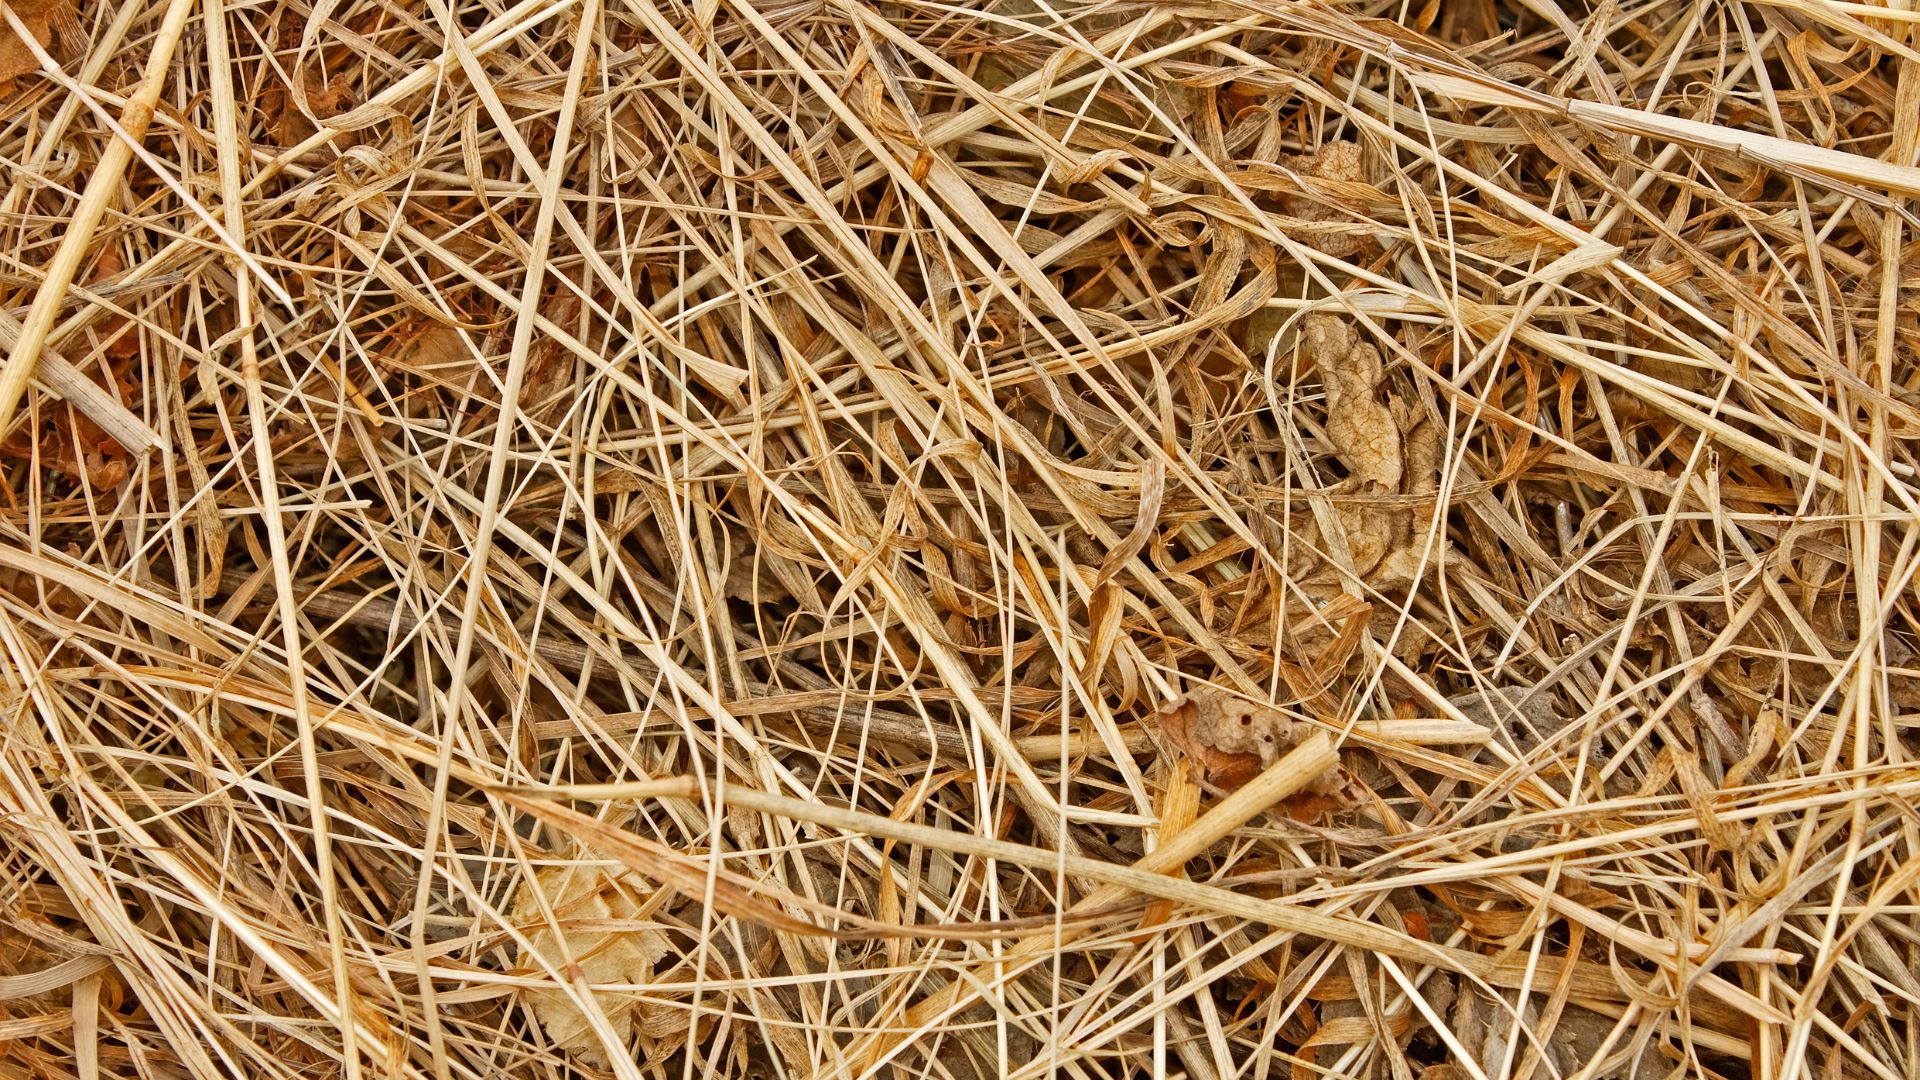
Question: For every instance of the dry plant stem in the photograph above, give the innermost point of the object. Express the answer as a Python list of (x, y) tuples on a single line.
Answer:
[(456, 698), (1034, 795), (58, 374), (104, 912), (1870, 705), (1128, 879), (496, 34), (1300, 767), (225, 108), (102, 187), (829, 709), (108, 46), (1292, 773), (1893, 177), (872, 411)]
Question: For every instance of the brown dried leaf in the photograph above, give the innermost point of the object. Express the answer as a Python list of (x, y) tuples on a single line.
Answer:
[(1520, 717), (1362, 428), (1336, 172), (1385, 447), (1311, 806), (605, 954), (1225, 736), (1421, 476), (16, 58), (1231, 740), (1422, 472), (329, 98)]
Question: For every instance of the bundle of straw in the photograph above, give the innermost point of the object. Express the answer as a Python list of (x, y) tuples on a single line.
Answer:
[(868, 539)]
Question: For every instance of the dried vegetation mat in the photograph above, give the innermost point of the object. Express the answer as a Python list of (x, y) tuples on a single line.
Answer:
[(833, 538)]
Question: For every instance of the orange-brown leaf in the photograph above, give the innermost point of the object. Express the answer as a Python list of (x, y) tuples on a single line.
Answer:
[(16, 58)]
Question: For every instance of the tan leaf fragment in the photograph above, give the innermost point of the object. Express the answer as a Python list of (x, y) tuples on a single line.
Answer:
[(1334, 173), (1362, 430), (1420, 477), (1521, 718), (1230, 740), (16, 58), (1361, 426), (1386, 449), (590, 904)]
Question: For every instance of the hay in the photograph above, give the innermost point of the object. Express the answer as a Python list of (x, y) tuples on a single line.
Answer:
[(1237, 540)]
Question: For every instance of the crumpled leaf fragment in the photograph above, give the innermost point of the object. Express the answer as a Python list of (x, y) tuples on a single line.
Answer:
[(1362, 430), (16, 59), (1384, 446), (1231, 740), (589, 904), (1336, 172), (1521, 718), (1421, 477), (1486, 1029)]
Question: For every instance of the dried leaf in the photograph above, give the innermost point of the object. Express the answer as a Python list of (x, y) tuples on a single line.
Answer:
[(1422, 472), (1386, 449), (1333, 174), (1224, 736), (1311, 806), (1420, 476), (1231, 740), (1520, 717), (603, 951), (1362, 428), (16, 58)]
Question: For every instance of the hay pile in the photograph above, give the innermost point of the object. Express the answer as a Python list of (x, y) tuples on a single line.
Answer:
[(817, 539)]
